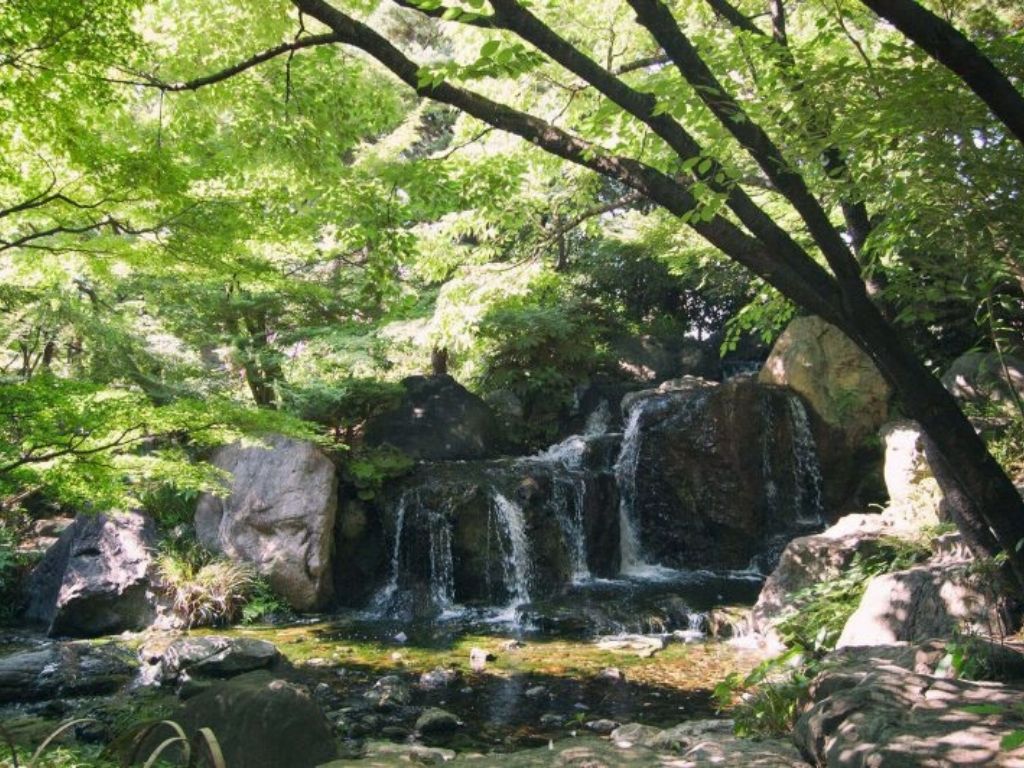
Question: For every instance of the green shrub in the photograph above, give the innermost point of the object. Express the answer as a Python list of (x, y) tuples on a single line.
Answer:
[(369, 468), (767, 701), (264, 605)]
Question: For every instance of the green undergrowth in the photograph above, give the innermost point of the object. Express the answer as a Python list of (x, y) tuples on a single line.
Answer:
[(766, 701)]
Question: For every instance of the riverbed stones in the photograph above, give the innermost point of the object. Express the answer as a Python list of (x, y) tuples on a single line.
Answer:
[(389, 693), (437, 723), (61, 670), (96, 579), (278, 514), (261, 721), (869, 709)]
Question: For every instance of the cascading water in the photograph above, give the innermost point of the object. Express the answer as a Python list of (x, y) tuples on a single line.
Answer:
[(516, 562), (442, 567), (625, 475), (382, 601), (568, 499), (806, 468)]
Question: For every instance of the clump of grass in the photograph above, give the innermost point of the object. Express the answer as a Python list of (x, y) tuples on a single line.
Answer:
[(206, 591)]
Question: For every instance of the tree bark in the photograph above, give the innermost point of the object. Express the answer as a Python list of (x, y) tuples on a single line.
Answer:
[(951, 48)]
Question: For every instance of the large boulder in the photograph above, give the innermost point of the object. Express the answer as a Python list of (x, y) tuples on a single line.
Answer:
[(839, 381), (60, 670), (981, 378), (931, 600), (714, 475), (873, 707), (262, 722), (172, 660), (849, 401), (96, 579), (438, 419), (278, 515)]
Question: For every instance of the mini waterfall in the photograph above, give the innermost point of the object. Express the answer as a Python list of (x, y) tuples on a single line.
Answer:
[(516, 564), (385, 597), (806, 468), (568, 499), (442, 567), (625, 475)]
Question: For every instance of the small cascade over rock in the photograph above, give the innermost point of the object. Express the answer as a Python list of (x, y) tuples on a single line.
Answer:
[(705, 478)]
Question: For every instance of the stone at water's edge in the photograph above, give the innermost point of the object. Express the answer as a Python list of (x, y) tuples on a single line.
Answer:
[(886, 707), (205, 656), (96, 579), (62, 670), (262, 722), (723, 473), (437, 420), (279, 515)]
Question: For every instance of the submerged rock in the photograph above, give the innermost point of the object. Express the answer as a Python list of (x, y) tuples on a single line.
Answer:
[(96, 579), (279, 515), (389, 693), (435, 722)]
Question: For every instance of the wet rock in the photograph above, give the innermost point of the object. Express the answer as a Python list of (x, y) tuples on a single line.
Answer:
[(389, 693), (207, 656), (866, 710), (438, 419), (262, 722), (923, 602), (279, 515), (536, 692), (386, 753), (61, 670), (552, 719), (439, 677), (612, 674), (96, 579), (437, 722), (724, 473)]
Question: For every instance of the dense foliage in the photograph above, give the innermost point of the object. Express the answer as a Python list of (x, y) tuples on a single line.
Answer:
[(196, 243)]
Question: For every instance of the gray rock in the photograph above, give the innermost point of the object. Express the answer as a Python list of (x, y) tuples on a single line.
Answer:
[(262, 722), (643, 646), (438, 419), (602, 726), (96, 579), (437, 722), (389, 693), (439, 677), (635, 734), (981, 378), (866, 710), (62, 670), (909, 479), (279, 515), (920, 603), (207, 656)]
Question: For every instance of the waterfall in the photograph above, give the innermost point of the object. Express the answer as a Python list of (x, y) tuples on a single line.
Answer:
[(382, 601), (516, 562), (625, 475), (806, 467), (568, 497), (442, 567)]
